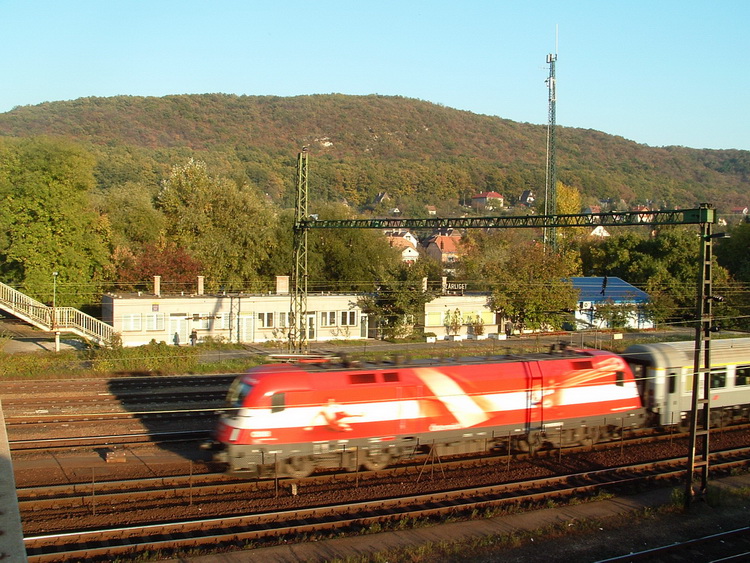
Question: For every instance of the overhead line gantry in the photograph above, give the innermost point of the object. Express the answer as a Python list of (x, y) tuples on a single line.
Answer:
[(704, 216)]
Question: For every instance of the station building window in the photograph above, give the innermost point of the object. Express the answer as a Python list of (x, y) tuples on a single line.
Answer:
[(131, 322), (348, 318), (265, 320), (154, 321)]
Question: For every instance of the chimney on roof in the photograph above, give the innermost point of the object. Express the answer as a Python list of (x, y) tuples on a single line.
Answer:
[(200, 285), (157, 286), (282, 285)]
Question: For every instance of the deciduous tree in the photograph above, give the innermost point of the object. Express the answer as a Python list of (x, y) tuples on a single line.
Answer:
[(49, 223)]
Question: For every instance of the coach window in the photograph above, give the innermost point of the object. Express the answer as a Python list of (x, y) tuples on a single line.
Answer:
[(390, 377), (278, 402), (718, 379), (742, 375)]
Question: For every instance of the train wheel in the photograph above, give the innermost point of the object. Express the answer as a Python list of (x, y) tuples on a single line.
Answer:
[(535, 442), (591, 438), (298, 467), (376, 460)]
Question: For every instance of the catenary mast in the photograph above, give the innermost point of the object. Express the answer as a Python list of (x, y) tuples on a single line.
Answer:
[(550, 188)]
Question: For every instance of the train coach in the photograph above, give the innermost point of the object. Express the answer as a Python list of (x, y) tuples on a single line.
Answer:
[(290, 418), (665, 372)]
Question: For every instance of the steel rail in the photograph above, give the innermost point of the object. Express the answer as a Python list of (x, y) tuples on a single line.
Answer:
[(111, 440), (195, 533), (693, 548)]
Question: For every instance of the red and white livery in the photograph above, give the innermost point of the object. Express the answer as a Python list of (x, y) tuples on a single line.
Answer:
[(291, 418)]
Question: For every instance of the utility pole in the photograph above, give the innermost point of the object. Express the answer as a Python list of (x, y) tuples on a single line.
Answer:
[(700, 410), (550, 188), (298, 313)]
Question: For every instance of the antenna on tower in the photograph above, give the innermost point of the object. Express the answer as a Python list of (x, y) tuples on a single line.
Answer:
[(550, 188)]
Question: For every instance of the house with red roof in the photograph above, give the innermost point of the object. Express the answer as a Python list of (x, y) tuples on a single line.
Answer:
[(444, 248)]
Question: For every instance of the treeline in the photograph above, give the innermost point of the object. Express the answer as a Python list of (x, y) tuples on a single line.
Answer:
[(58, 218), (363, 145)]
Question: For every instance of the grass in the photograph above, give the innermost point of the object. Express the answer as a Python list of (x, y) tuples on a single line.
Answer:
[(151, 359)]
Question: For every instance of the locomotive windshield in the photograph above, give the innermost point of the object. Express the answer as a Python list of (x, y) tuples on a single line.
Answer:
[(237, 393)]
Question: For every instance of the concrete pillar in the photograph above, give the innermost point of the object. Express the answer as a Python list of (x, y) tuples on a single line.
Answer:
[(157, 286), (200, 285), (11, 532)]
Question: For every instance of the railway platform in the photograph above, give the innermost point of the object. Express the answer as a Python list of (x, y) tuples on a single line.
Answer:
[(11, 532)]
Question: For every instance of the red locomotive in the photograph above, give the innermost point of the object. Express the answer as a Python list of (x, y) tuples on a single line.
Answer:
[(291, 418)]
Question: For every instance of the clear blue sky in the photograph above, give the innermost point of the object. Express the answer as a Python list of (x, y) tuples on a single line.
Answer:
[(659, 72)]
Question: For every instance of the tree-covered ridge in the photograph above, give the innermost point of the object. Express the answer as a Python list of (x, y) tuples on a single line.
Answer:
[(363, 145)]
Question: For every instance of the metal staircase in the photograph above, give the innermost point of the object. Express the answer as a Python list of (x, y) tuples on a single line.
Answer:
[(54, 319)]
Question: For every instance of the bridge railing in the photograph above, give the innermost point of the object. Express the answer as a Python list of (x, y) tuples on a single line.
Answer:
[(51, 319)]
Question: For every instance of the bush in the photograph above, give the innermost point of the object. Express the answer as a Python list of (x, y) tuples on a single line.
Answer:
[(155, 358)]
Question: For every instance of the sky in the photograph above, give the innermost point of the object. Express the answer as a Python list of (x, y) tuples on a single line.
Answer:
[(657, 72)]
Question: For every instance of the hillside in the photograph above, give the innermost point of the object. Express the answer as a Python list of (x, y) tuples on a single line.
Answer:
[(361, 145)]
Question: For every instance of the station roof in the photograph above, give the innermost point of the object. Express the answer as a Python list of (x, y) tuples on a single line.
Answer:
[(595, 290)]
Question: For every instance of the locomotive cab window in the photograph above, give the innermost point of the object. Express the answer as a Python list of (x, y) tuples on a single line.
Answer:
[(237, 393), (742, 375), (358, 378), (278, 402), (619, 378)]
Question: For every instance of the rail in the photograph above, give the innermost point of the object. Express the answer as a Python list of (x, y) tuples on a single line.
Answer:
[(54, 319)]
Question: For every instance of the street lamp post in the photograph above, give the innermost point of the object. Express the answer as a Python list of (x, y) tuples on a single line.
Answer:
[(54, 311), (54, 299)]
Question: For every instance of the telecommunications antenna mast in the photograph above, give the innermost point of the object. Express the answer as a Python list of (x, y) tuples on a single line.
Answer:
[(550, 188)]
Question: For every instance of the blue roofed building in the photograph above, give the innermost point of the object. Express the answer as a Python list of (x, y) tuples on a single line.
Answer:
[(600, 298)]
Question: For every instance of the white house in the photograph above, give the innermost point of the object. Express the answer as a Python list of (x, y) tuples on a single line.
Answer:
[(247, 318)]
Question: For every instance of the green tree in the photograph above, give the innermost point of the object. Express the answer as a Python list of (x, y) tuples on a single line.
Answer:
[(224, 225), (397, 304), (347, 259), (733, 254), (666, 264), (530, 286), (49, 222), (134, 220)]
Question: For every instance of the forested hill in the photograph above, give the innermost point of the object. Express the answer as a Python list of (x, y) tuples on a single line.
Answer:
[(361, 145)]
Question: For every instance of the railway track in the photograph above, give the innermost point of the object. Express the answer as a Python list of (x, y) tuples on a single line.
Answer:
[(349, 517), (732, 545)]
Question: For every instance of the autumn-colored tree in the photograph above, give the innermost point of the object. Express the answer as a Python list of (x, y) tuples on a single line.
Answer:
[(178, 270)]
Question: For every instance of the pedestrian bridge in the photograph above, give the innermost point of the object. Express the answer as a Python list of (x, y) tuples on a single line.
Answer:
[(54, 319)]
